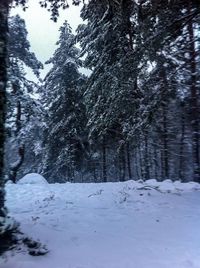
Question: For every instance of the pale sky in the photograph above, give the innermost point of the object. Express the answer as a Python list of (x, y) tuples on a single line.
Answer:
[(42, 32)]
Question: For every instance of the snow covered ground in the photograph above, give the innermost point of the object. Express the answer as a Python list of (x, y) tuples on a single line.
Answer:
[(113, 225)]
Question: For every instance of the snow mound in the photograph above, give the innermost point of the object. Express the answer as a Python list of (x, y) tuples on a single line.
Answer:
[(9, 182), (152, 182), (33, 178)]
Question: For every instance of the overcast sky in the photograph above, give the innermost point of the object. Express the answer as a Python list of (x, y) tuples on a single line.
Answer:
[(43, 32)]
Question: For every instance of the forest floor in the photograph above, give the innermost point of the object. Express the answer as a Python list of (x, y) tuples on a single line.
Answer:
[(112, 225)]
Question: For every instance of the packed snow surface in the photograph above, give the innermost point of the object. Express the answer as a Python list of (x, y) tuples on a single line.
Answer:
[(112, 225), (32, 178)]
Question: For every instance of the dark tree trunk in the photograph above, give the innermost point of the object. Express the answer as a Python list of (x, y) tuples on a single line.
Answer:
[(3, 82), (94, 169), (141, 163), (155, 160), (165, 143), (194, 101), (162, 164), (18, 117), (16, 167), (122, 163), (104, 160), (128, 160), (146, 157), (182, 140), (5, 236), (136, 163)]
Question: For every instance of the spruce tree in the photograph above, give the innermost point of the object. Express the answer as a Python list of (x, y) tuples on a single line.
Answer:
[(65, 120), (111, 97), (6, 227), (21, 104)]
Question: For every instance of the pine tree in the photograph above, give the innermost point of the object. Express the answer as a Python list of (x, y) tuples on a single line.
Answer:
[(7, 228), (111, 97), (163, 30), (19, 93), (65, 111)]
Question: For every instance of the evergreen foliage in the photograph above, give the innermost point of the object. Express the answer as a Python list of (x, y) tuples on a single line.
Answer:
[(5, 232), (141, 99), (24, 111), (20, 110), (5, 239), (65, 111)]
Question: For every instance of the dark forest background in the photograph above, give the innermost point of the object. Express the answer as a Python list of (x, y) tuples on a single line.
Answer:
[(136, 116)]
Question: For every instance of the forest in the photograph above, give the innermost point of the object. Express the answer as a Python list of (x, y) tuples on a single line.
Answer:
[(120, 103), (134, 116)]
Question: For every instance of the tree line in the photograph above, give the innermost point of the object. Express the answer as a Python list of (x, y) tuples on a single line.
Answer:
[(136, 115)]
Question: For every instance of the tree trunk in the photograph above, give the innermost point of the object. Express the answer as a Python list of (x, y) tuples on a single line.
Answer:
[(136, 163), (128, 160), (122, 163), (162, 164), (5, 236), (8, 227), (165, 144), (104, 160), (194, 101), (94, 170), (141, 162), (16, 167), (146, 157), (18, 117), (155, 160), (181, 157), (3, 82)]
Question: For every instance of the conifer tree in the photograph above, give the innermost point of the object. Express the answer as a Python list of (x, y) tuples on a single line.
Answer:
[(65, 111), (21, 104), (5, 229), (107, 41)]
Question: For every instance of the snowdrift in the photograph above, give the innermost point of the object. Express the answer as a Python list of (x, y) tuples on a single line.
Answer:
[(33, 178)]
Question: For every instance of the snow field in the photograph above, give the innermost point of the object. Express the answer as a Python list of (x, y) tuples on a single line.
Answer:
[(112, 225)]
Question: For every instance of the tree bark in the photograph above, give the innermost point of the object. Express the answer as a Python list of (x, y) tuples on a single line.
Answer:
[(165, 144), (128, 160), (18, 117), (3, 82), (122, 163), (94, 171), (104, 160), (5, 233), (194, 101), (182, 140), (136, 156), (162, 164), (146, 157), (155, 160), (16, 167), (141, 162)]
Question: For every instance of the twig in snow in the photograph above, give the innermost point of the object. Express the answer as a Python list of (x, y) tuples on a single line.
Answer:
[(97, 193)]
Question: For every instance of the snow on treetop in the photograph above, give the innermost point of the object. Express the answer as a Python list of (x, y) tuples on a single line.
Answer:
[(32, 178)]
